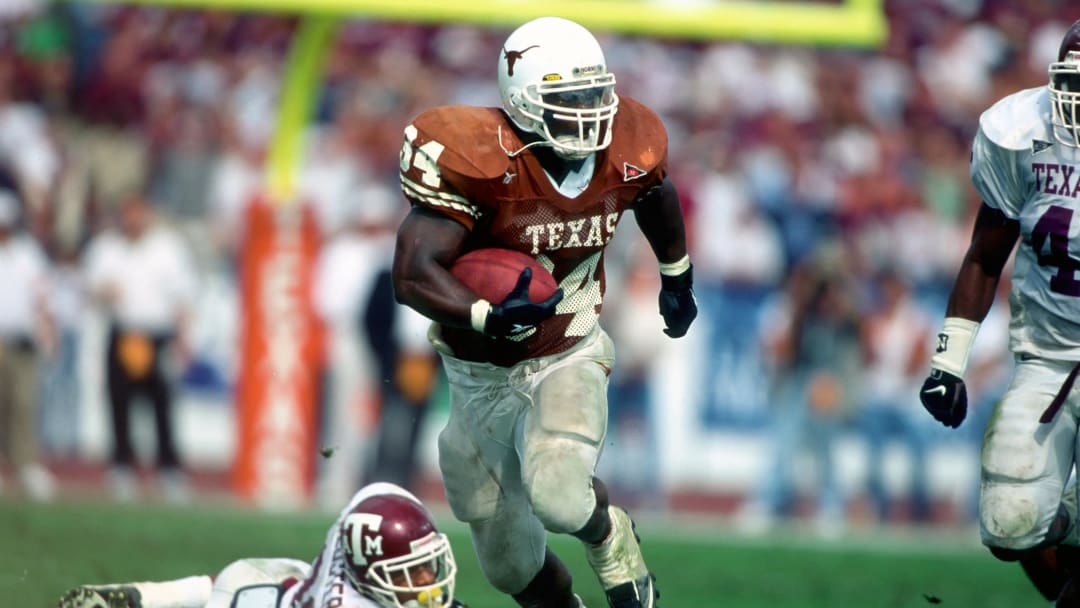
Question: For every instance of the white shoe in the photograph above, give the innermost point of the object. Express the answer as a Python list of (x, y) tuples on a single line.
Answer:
[(620, 567), (102, 596), (38, 482), (754, 519), (174, 487), (123, 484), (829, 526)]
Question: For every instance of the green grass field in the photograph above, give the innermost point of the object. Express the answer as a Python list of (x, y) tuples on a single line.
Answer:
[(50, 548)]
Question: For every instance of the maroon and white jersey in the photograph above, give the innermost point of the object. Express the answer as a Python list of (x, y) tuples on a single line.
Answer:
[(456, 160), (1019, 168)]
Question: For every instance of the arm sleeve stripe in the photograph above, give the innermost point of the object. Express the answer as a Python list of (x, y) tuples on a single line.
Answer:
[(438, 199)]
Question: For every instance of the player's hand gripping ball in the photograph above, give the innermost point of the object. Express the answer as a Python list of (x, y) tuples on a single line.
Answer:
[(492, 273), (521, 291)]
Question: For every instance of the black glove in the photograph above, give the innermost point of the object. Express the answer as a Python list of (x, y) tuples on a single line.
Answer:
[(945, 397), (677, 304), (517, 313)]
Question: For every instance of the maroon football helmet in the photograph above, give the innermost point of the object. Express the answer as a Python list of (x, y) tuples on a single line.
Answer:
[(394, 555), (1065, 89)]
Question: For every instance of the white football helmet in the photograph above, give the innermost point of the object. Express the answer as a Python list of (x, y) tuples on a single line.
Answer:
[(554, 82), (1065, 89)]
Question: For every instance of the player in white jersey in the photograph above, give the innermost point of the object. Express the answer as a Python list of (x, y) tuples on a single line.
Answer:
[(382, 552), (1025, 164)]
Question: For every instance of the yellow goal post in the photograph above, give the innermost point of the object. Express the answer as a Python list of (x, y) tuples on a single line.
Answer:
[(841, 23)]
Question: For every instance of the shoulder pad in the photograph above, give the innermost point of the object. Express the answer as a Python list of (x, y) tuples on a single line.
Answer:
[(1014, 121), (640, 138), (470, 139)]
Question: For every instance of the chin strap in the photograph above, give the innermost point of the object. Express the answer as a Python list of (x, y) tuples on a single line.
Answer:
[(539, 142)]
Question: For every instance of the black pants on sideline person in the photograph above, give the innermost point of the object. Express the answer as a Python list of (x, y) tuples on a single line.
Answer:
[(136, 368), (402, 410)]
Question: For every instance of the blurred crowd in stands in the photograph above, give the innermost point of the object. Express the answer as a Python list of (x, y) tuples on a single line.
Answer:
[(826, 192)]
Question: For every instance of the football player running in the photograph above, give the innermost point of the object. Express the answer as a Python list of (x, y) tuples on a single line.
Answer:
[(382, 552), (1025, 164), (550, 174)]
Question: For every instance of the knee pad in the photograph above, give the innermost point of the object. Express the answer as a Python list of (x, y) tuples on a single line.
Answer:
[(1013, 519), (561, 496), (599, 523)]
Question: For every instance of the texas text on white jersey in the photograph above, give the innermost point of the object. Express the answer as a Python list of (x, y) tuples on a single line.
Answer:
[(1018, 168)]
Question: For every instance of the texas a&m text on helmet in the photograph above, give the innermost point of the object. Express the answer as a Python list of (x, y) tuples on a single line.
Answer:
[(394, 554)]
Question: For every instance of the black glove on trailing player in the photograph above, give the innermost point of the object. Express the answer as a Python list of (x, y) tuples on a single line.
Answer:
[(517, 313), (945, 397), (677, 304)]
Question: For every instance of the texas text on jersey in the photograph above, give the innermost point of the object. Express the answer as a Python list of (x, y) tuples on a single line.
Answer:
[(469, 164), (1020, 168)]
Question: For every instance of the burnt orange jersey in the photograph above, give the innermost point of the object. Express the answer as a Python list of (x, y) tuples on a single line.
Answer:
[(456, 161)]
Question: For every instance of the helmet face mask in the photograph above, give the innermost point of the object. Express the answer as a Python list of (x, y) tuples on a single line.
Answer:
[(554, 82), (424, 579), (1064, 89), (1065, 99), (575, 118), (395, 556)]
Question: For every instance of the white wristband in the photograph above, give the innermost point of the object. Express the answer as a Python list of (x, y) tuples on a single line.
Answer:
[(676, 268), (954, 345), (479, 314)]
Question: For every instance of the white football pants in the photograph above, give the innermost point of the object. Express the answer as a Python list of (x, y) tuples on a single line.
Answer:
[(1025, 463), (253, 571), (519, 451)]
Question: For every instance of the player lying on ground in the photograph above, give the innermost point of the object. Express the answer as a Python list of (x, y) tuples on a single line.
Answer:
[(382, 552)]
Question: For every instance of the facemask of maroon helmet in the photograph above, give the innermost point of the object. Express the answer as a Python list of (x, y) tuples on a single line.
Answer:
[(395, 556)]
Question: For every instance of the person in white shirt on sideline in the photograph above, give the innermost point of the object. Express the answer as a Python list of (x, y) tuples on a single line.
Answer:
[(145, 281), (25, 334), (345, 274)]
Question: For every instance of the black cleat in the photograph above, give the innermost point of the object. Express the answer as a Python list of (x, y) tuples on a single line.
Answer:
[(102, 596)]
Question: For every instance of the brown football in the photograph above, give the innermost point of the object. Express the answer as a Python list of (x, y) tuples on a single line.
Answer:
[(492, 274)]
